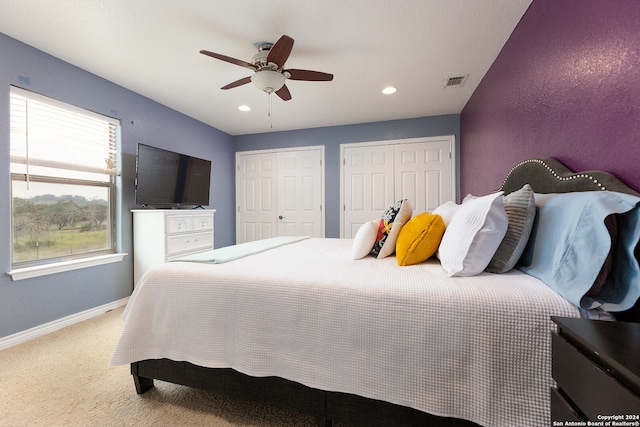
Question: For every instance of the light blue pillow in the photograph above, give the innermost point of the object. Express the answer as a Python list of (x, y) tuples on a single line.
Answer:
[(570, 242)]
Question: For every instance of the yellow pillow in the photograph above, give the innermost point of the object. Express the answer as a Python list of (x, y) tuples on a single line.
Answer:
[(419, 239)]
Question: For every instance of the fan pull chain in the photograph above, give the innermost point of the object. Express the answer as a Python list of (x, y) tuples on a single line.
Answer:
[(269, 113)]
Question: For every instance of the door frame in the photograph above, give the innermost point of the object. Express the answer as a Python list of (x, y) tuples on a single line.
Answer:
[(454, 163), (283, 150)]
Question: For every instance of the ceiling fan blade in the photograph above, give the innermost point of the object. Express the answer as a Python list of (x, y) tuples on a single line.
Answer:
[(313, 76), (280, 51), (242, 81), (284, 93), (229, 59)]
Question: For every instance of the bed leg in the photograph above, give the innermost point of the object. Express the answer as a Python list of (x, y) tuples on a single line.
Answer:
[(142, 384), (328, 423)]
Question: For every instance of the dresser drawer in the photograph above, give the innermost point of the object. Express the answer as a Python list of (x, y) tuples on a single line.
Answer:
[(178, 224), (592, 389), (202, 222), (184, 243)]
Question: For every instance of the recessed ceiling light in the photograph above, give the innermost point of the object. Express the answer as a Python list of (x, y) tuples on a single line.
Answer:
[(244, 108), (389, 90)]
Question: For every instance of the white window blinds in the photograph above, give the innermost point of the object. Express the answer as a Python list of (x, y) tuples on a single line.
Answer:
[(53, 139)]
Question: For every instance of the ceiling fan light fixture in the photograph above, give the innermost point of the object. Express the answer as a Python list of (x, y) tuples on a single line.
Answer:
[(268, 80), (268, 67)]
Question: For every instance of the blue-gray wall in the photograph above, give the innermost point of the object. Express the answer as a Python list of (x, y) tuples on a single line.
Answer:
[(28, 303), (332, 137)]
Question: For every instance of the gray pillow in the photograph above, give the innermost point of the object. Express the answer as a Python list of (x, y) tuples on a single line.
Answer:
[(520, 207)]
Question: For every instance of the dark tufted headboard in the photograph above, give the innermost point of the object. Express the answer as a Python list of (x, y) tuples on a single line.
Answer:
[(547, 175)]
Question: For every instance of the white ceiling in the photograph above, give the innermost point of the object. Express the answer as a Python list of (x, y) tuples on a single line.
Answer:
[(152, 47)]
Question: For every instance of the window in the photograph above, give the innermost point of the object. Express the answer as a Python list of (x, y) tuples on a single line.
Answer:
[(63, 169)]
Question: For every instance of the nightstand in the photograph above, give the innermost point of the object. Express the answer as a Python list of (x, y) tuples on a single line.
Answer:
[(596, 365)]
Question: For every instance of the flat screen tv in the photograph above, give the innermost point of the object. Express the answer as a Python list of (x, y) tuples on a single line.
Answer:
[(167, 179)]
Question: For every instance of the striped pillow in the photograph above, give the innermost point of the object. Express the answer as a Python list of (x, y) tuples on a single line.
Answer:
[(520, 207)]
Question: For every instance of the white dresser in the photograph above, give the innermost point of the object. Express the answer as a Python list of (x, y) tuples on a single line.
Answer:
[(160, 235)]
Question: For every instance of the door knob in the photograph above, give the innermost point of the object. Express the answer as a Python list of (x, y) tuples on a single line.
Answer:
[(280, 217)]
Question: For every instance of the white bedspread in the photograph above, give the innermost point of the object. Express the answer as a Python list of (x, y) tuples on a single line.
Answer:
[(232, 253), (477, 348)]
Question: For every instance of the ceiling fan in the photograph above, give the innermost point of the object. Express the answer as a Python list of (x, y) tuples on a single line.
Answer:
[(268, 66)]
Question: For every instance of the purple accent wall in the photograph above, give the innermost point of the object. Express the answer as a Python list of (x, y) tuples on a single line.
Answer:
[(565, 85)]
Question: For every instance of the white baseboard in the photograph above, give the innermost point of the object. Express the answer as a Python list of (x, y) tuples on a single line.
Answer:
[(47, 328)]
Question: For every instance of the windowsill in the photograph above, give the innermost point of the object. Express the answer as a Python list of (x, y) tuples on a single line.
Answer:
[(59, 267)]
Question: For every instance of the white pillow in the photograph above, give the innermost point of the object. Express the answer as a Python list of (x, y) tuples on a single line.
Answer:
[(447, 211), (473, 235), (365, 239)]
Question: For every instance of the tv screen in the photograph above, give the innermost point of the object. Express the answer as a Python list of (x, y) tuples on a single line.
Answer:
[(166, 178)]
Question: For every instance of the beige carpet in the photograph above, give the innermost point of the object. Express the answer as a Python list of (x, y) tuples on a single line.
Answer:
[(63, 379)]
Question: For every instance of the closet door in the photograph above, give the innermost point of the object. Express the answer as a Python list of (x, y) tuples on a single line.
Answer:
[(300, 178), (279, 193), (375, 175), (256, 190), (423, 174), (368, 184)]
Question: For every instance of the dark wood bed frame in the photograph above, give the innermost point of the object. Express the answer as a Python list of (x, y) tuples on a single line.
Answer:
[(545, 175)]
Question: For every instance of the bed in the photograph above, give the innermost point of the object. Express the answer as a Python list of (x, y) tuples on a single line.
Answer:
[(306, 327)]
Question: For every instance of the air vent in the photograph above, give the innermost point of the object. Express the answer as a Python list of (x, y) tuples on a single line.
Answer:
[(454, 81)]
